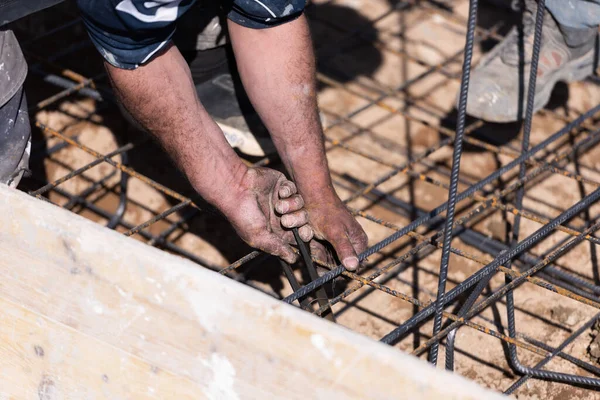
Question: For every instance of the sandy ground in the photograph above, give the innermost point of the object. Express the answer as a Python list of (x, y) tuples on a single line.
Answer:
[(406, 43)]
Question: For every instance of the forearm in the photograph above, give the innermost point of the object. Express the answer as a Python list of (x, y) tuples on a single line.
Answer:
[(161, 97), (277, 67)]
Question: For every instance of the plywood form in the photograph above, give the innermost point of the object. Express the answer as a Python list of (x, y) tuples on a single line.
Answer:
[(86, 313)]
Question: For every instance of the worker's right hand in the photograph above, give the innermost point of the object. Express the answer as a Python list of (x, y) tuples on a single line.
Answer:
[(265, 205)]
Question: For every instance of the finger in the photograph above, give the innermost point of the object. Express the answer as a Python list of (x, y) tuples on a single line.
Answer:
[(319, 251), (291, 204), (274, 245), (295, 220), (286, 189), (306, 233), (344, 250)]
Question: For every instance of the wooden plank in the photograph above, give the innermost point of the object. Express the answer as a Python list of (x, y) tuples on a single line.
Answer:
[(42, 359), (158, 326)]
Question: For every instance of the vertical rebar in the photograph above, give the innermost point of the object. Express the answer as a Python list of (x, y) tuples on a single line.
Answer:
[(456, 156)]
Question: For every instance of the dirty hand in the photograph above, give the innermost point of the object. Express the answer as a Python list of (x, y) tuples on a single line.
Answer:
[(268, 203), (331, 221)]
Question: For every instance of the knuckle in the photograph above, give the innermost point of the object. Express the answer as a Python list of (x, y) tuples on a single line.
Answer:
[(338, 235), (364, 239), (289, 238), (342, 245), (306, 233), (296, 221), (279, 207), (284, 192)]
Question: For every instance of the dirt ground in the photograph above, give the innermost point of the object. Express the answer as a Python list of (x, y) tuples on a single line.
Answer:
[(392, 48)]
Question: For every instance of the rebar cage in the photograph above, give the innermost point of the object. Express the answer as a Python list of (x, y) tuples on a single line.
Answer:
[(503, 246)]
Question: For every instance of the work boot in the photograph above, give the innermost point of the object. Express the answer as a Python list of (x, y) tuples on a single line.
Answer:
[(496, 93)]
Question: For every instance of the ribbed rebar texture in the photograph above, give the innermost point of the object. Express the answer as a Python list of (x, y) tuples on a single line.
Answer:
[(453, 190)]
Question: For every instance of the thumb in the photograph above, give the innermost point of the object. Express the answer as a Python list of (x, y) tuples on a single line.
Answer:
[(344, 250)]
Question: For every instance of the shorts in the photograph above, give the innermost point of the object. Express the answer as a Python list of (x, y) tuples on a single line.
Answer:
[(128, 33)]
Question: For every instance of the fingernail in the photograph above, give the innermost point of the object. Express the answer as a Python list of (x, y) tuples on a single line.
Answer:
[(285, 192), (282, 208), (350, 263), (306, 233)]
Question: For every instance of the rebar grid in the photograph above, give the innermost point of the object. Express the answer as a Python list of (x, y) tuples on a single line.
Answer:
[(394, 150)]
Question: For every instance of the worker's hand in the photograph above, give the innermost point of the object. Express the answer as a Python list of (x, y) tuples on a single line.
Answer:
[(331, 221), (267, 204)]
